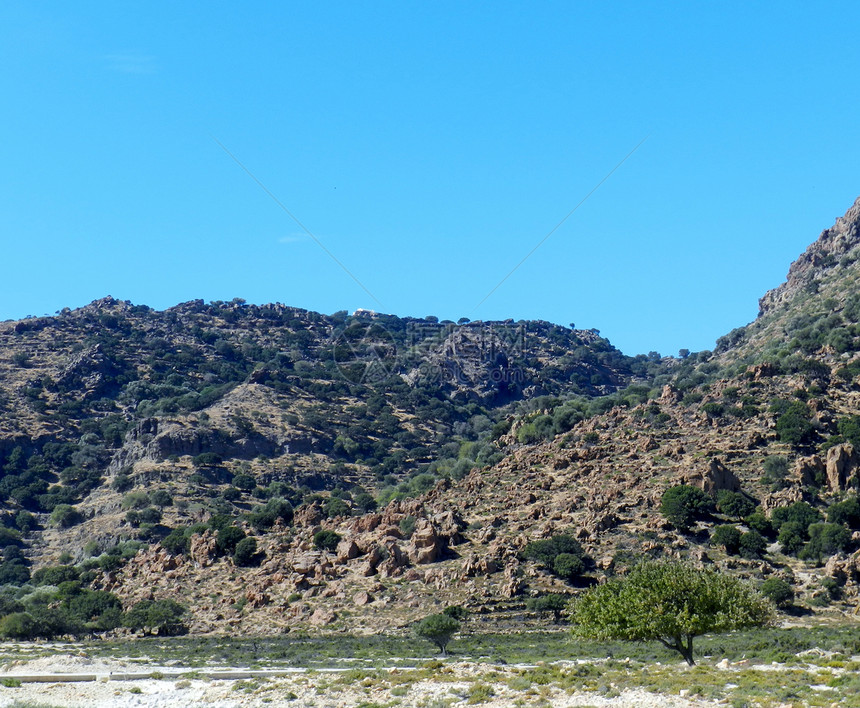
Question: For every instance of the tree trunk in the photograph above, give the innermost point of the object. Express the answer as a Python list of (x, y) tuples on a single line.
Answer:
[(687, 651)]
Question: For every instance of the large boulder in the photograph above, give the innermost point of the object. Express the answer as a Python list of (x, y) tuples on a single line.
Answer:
[(842, 466)]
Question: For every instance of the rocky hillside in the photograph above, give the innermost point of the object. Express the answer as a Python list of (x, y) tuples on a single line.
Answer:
[(275, 469)]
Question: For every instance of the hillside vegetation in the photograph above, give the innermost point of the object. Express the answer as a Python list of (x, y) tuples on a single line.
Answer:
[(271, 468)]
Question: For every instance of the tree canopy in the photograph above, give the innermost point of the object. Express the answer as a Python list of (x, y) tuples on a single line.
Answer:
[(438, 629), (669, 602)]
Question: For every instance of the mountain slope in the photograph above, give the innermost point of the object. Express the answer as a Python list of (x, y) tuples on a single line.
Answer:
[(376, 469)]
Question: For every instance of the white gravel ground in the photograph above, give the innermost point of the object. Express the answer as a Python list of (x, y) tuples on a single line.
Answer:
[(297, 689)]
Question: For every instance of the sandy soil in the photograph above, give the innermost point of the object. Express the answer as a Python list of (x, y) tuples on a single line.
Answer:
[(320, 689)]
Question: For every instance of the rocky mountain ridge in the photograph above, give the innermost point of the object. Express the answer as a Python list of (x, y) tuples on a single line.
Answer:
[(376, 469)]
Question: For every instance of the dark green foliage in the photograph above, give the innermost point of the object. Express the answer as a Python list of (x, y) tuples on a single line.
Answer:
[(734, 504), (231, 494), (500, 428), (264, 517), (25, 521), (14, 572), (122, 482), (458, 612), (207, 459), (335, 506), (552, 602), (845, 512), (568, 566), (727, 536), (800, 513), (758, 522), (161, 498), (778, 591), (245, 482), (825, 540), (178, 540), (752, 544), (64, 515), (794, 425), (246, 552), (438, 629), (135, 500), (326, 540), (228, 537), (364, 501), (849, 429), (162, 617), (791, 537), (18, 625), (683, 504), (562, 555)]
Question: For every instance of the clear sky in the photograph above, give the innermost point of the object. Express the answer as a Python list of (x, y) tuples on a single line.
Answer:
[(430, 147)]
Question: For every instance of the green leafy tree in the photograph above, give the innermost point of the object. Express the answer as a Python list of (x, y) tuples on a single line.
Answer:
[(683, 504), (246, 552), (439, 629), (752, 544), (458, 612), (727, 536), (562, 555), (795, 426), (734, 504), (825, 540), (800, 513), (669, 602), (161, 617), (791, 537), (568, 566), (228, 537), (845, 512), (18, 625), (757, 521), (552, 602)]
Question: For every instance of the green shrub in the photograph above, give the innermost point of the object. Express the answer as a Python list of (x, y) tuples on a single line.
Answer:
[(775, 471), (246, 552), (727, 536), (758, 522), (65, 515), (734, 504), (135, 500), (552, 602), (791, 537), (825, 540), (162, 617), (568, 566), (799, 512), (228, 537), (845, 512), (18, 625), (562, 555), (778, 591), (326, 540), (752, 544), (681, 505), (178, 541), (794, 426)]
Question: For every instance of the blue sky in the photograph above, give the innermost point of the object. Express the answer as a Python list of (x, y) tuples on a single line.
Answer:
[(429, 147)]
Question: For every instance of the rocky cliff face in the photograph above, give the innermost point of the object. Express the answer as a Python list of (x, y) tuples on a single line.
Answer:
[(836, 246)]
